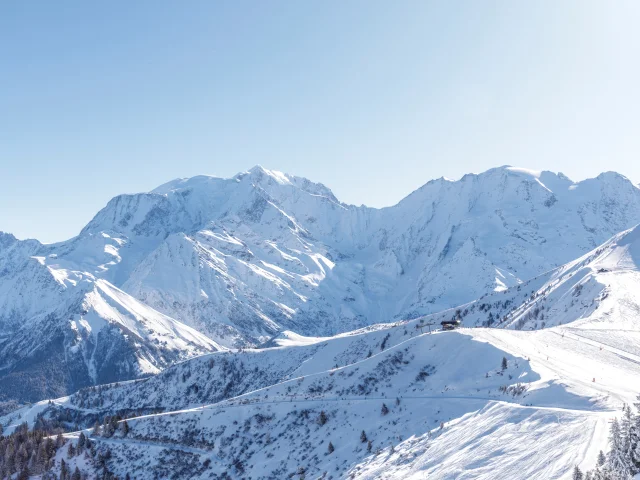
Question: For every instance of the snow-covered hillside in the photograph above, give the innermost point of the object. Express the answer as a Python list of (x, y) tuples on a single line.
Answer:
[(241, 260), (392, 400), (437, 405), (594, 293)]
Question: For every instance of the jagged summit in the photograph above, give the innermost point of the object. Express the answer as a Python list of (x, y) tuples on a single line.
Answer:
[(555, 182)]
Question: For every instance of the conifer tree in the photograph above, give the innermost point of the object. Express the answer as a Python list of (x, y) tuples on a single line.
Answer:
[(50, 447), (41, 457), (77, 475), (577, 474), (64, 472), (322, 419), (616, 459), (24, 474)]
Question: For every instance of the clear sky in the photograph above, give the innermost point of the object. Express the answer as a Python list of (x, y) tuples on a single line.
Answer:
[(372, 98)]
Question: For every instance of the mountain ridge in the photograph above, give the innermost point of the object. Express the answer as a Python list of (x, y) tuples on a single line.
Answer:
[(241, 259)]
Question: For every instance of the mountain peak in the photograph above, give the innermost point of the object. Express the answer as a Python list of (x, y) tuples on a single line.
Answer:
[(613, 176), (7, 239), (185, 183), (258, 173)]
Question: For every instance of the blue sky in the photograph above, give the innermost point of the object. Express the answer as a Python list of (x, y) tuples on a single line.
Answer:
[(372, 98)]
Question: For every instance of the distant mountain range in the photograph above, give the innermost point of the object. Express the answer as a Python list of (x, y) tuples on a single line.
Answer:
[(206, 264)]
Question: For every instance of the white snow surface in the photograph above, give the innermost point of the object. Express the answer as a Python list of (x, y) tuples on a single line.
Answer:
[(453, 412)]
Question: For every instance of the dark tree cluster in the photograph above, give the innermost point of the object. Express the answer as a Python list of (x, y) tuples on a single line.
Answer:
[(110, 425), (27, 453)]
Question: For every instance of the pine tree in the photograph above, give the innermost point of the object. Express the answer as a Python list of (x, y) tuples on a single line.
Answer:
[(96, 428), (369, 445), (505, 364), (616, 460), (64, 472), (577, 474), (363, 437), (626, 432), (239, 465), (124, 427), (9, 459), (322, 419), (50, 447), (41, 457), (635, 436), (601, 459), (81, 441), (384, 410), (33, 462), (24, 474), (77, 475), (21, 457), (113, 424), (331, 448)]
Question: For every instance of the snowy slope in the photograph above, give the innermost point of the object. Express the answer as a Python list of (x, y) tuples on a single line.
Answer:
[(63, 329), (596, 294), (490, 430)]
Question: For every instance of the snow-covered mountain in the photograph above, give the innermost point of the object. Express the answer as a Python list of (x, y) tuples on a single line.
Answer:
[(596, 292), (62, 329), (478, 403), (264, 251), (241, 259)]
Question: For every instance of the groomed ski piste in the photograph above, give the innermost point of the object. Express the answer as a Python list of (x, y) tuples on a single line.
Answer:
[(397, 401)]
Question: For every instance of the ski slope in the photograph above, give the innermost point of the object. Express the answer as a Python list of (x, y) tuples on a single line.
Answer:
[(487, 433)]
